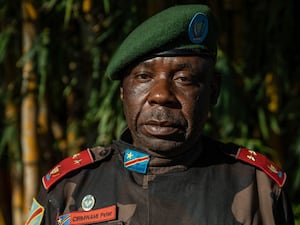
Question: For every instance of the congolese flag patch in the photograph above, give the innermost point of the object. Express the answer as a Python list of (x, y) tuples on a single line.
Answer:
[(136, 161), (36, 214)]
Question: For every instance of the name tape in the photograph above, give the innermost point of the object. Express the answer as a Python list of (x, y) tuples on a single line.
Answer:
[(88, 217)]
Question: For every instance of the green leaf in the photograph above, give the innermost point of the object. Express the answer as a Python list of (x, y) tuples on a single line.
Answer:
[(262, 122), (68, 12), (4, 40)]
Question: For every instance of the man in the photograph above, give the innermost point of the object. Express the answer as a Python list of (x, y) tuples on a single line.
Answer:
[(163, 170)]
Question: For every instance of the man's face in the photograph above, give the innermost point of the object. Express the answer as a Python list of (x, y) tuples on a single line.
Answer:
[(166, 102)]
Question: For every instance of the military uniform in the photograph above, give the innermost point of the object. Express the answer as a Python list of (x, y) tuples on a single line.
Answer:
[(215, 185), (210, 184)]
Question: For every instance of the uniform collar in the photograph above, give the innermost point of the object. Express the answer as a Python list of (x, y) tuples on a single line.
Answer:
[(160, 165)]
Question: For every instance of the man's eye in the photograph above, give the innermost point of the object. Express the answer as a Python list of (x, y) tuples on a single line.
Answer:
[(183, 79), (142, 76), (186, 80)]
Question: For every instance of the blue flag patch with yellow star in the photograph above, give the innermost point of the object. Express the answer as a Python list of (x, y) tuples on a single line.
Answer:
[(136, 161)]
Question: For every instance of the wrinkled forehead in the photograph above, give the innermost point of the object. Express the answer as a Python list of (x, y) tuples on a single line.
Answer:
[(170, 64)]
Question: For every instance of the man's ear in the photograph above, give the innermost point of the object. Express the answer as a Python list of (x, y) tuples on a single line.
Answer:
[(215, 88)]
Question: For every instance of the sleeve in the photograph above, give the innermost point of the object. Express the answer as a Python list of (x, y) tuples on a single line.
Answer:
[(274, 206), (50, 204), (44, 209), (283, 211)]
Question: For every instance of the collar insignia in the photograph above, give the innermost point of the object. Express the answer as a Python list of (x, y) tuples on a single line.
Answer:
[(136, 161), (66, 166), (262, 162)]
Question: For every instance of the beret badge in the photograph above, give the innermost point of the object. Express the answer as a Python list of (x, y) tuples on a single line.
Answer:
[(198, 28)]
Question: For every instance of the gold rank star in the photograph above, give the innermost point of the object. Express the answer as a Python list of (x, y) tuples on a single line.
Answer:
[(77, 161), (252, 155), (129, 155), (75, 155)]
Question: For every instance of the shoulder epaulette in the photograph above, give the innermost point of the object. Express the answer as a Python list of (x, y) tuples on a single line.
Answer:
[(262, 162), (72, 163)]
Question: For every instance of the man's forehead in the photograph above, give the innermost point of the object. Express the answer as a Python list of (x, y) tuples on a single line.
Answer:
[(179, 62), (192, 63)]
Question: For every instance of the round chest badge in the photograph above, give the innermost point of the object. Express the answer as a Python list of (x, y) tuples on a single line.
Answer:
[(198, 28), (88, 202)]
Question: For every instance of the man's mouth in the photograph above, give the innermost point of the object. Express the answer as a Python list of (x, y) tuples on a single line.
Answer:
[(162, 129)]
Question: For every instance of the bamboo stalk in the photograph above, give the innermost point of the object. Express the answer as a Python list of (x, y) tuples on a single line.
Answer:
[(29, 143), (17, 195)]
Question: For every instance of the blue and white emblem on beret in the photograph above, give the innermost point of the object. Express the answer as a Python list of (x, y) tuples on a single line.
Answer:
[(198, 28)]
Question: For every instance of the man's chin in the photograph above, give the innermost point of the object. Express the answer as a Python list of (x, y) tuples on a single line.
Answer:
[(160, 147)]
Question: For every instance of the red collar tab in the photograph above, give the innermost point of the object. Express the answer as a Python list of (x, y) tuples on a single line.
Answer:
[(88, 217), (262, 162), (66, 166)]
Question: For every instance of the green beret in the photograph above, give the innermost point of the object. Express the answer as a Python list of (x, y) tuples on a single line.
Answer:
[(178, 30)]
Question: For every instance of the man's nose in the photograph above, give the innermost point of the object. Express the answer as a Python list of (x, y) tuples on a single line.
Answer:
[(162, 93)]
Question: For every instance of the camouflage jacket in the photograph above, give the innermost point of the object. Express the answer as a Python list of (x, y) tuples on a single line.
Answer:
[(223, 185)]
